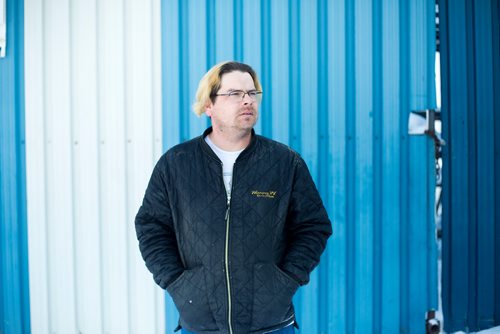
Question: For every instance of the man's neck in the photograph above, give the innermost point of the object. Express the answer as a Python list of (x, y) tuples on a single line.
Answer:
[(228, 141)]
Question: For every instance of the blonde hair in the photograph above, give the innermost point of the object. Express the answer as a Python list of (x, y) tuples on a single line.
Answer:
[(211, 81)]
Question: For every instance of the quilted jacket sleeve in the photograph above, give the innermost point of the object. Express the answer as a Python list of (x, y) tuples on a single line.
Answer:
[(308, 226), (155, 232)]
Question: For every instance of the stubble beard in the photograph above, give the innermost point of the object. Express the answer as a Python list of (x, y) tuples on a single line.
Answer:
[(246, 123), (240, 125)]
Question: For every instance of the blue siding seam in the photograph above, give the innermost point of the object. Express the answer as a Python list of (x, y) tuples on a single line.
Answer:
[(495, 12), (266, 73), (471, 111), (238, 30), (164, 28), (323, 149), (210, 24), (24, 265), (211, 41), (295, 140), (350, 167), (485, 156), (404, 27), (378, 180), (294, 83), (184, 71)]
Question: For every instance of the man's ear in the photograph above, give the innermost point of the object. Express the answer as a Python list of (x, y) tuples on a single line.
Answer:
[(209, 108)]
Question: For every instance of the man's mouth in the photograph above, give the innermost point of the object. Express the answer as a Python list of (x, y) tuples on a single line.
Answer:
[(247, 113)]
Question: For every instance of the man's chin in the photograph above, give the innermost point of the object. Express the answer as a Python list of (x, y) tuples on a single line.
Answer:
[(248, 126)]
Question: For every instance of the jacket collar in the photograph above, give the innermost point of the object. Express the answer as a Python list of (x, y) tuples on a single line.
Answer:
[(207, 149)]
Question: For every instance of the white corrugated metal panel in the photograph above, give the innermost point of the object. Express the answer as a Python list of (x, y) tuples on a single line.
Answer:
[(93, 133)]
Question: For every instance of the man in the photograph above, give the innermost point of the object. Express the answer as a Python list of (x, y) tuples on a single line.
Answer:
[(232, 223)]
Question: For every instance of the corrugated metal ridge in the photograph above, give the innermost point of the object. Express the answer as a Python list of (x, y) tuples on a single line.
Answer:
[(14, 288)]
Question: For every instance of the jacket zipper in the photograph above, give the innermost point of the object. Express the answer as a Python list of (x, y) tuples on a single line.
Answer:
[(226, 262), (226, 254)]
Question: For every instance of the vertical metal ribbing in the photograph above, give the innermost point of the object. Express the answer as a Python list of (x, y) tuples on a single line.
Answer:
[(495, 19), (14, 285), (238, 30), (291, 125), (184, 97), (323, 146), (472, 114), (266, 73), (404, 79), (211, 41), (470, 161), (323, 149), (294, 72), (350, 166), (378, 180)]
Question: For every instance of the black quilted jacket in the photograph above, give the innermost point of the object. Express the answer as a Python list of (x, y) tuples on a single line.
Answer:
[(232, 267)]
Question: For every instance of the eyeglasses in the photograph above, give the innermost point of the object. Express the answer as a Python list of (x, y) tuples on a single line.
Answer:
[(239, 95)]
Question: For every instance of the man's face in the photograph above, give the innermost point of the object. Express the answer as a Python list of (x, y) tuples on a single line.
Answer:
[(230, 113)]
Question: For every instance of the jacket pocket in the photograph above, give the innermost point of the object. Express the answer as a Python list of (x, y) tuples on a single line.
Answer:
[(272, 298), (190, 297)]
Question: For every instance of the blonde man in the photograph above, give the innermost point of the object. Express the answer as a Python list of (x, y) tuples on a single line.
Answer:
[(232, 224)]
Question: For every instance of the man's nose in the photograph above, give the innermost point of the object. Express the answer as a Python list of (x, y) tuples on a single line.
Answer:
[(247, 99)]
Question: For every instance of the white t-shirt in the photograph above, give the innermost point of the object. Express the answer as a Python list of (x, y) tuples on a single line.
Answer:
[(228, 158)]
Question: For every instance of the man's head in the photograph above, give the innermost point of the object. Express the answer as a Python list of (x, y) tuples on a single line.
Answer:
[(210, 84), (229, 93)]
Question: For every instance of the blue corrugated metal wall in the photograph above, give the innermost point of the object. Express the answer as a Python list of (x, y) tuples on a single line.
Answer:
[(14, 295), (470, 58), (339, 80)]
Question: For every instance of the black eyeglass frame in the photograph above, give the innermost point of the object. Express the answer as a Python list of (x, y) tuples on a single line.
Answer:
[(255, 97)]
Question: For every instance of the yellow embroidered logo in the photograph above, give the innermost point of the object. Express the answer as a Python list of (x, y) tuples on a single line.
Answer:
[(265, 194)]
